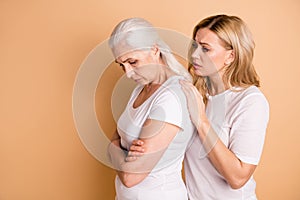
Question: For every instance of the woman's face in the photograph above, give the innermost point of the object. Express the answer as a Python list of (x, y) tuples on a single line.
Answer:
[(140, 65), (209, 56)]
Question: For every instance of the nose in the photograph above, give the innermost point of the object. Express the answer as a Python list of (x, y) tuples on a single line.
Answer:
[(128, 70), (196, 53)]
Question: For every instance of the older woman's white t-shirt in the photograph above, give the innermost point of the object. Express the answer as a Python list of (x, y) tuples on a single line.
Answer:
[(167, 104)]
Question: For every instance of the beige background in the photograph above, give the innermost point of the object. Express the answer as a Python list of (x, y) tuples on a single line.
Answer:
[(43, 43)]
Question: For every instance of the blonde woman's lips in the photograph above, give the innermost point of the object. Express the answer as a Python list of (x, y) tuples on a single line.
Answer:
[(196, 66)]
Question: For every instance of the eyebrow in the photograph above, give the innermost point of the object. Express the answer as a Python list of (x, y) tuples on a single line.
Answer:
[(123, 61), (204, 43)]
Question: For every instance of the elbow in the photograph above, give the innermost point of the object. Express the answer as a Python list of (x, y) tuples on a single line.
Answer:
[(238, 180), (128, 181), (237, 183), (128, 184)]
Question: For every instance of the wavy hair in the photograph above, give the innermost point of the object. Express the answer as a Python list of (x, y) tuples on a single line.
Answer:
[(235, 35)]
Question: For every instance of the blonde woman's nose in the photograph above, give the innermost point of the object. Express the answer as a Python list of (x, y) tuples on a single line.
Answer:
[(197, 52)]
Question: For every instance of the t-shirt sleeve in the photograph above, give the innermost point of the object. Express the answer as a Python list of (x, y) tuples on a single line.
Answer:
[(249, 128), (167, 108)]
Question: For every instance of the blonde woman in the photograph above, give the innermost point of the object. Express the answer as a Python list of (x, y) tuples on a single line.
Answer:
[(156, 113), (228, 109)]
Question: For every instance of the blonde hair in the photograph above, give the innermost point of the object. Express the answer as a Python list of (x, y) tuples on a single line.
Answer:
[(137, 33), (235, 35)]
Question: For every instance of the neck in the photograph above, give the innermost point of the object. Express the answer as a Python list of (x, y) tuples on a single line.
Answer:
[(216, 85), (163, 74)]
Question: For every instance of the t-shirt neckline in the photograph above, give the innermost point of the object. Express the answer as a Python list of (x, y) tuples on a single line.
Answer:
[(154, 93)]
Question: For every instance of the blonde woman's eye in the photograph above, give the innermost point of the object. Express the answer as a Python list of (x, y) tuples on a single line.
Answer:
[(205, 49)]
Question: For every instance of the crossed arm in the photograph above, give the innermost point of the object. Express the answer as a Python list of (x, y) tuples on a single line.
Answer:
[(155, 137)]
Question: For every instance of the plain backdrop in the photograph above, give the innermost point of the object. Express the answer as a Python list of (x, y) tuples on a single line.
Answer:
[(42, 45)]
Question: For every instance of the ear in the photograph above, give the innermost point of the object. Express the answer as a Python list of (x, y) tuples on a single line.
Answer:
[(230, 56), (155, 51)]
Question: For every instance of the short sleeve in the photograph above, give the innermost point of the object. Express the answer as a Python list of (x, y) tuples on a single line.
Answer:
[(168, 108), (249, 128)]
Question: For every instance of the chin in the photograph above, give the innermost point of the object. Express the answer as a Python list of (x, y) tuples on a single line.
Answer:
[(142, 82), (199, 73)]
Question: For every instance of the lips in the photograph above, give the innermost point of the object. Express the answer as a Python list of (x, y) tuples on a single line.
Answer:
[(196, 66), (137, 80)]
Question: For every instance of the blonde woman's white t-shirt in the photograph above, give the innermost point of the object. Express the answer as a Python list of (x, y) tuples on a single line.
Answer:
[(167, 104), (240, 120)]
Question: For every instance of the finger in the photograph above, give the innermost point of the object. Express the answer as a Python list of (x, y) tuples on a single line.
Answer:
[(136, 148), (137, 142), (134, 154), (185, 83), (185, 87), (189, 91), (188, 86), (130, 159)]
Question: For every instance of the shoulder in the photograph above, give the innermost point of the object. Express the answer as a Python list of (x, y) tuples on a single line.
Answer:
[(252, 91), (247, 101), (172, 90), (173, 85), (251, 95)]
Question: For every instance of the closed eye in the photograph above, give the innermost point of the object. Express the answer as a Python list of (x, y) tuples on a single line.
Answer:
[(132, 62)]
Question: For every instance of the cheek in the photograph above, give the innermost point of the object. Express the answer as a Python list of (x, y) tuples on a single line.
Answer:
[(218, 59), (210, 60), (144, 70)]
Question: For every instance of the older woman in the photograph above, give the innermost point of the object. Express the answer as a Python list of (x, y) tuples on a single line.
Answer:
[(156, 113)]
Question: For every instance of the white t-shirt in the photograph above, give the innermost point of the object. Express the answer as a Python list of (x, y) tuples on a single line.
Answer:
[(240, 120), (167, 104)]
